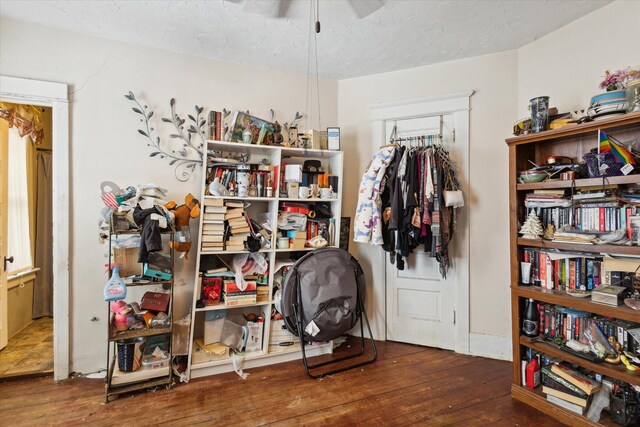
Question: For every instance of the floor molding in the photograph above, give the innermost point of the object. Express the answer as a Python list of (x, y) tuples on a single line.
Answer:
[(491, 346)]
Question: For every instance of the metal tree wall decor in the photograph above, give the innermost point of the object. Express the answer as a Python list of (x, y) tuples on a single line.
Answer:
[(186, 158)]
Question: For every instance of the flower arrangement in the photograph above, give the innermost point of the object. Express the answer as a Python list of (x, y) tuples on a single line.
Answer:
[(619, 79)]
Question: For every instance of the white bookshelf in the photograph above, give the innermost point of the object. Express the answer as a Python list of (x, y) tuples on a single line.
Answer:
[(202, 364)]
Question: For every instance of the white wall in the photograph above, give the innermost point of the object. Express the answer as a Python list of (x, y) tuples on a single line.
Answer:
[(568, 64), (105, 144), (493, 106)]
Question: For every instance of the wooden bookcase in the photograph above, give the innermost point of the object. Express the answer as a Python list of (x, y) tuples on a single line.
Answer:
[(202, 365), (573, 142)]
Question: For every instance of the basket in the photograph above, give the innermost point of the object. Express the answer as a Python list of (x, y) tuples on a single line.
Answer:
[(594, 161)]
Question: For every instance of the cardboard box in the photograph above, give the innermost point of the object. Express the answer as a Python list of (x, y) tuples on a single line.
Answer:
[(254, 340), (278, 334), (317, 139), (129, 259)]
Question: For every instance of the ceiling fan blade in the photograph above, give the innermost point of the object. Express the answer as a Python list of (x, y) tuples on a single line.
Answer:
[(364, 8)]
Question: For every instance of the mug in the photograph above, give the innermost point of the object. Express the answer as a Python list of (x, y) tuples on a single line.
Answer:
[(326, 193), (283, 243), (314, 190), (304, 192)]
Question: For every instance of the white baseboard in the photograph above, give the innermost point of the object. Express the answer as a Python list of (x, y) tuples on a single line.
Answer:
[(491, 346)]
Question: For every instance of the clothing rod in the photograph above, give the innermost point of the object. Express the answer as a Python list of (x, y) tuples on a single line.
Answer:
[(409, 138)]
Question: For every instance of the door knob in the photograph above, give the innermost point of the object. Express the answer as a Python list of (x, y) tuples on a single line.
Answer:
[(7, 260)]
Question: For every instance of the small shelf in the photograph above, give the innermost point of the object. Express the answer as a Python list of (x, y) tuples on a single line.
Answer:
[(150, 283), (242, 199), (239, 147), (551, 296), (142, 374), (537, 399), (308, 199), (581, 129), (585, 182), (232, 252), (618, 372), (223, 306), (577, 247), (135, 333)]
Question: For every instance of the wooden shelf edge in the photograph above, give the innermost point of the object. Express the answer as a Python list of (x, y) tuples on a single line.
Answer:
[(551, 296), (576, 247), (619, 121), (618, 372), (135, 333), (584, 182), (539, 402)]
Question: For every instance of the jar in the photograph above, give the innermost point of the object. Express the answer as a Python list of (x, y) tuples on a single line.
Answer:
[(243, 172), (633, 96), (539, 113)]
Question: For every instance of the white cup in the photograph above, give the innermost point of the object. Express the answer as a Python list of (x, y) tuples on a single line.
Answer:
[(304, 192), (326, 193)]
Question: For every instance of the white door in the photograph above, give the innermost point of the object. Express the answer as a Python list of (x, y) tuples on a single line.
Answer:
[(420, 303), (4, 151)]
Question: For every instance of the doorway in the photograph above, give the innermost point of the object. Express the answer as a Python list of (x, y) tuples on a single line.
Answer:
[(52, 98), (420, 307)]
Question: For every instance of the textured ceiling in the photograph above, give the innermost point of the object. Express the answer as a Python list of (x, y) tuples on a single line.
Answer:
[(402, 34)]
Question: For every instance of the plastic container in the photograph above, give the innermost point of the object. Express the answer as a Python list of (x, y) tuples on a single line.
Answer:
[(149, 362)]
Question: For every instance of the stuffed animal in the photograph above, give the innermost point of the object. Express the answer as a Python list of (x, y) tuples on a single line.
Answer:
[(181, 215)]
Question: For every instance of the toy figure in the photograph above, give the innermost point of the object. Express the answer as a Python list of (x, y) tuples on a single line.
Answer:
[(180, 218)]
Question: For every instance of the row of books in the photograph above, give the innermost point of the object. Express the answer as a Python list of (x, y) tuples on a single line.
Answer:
[(261, 179), (568, 387), (219, 285), (225, 225), (569, 273), (552, 270), (216, 125), (589, 218), (567, 324)]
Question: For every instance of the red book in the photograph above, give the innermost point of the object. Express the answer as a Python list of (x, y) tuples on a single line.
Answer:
[(543, 269), (602, 222), (231, 286), (572, 274), (629, 222), (218, 126)]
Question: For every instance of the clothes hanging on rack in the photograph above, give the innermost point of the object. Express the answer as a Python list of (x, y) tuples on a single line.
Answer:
[(411, 182)]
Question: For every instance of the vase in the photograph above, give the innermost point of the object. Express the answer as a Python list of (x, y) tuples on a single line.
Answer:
[(539, 113), (633, 96), (247, 136)]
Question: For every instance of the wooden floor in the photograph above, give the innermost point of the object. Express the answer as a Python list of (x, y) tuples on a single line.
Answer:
[(30, 351), (408, 385)]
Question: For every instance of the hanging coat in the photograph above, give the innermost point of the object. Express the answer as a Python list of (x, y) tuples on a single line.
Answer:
[(368, 221)]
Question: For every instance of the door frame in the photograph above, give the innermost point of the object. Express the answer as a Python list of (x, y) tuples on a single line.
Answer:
[(457, 104), (54, 95)]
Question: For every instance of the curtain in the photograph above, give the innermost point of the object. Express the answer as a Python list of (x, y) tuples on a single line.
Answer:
[(18, 234), (43, 287)]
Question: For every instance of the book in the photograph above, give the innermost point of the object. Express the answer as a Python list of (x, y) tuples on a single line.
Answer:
[(234, 248), (215, 209), (236, 230), (212, 238), (565, 404), (580, 401), (212, 202), (576, 378), (234, 213), (234, 204), (571, 388), (231, 286), (239, 302), (609, 295)]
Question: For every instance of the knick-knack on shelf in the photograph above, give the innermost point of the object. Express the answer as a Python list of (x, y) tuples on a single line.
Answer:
[(549, 232), (532, 227)]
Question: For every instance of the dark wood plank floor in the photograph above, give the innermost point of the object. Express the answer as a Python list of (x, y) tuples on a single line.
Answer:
[(408, 385)]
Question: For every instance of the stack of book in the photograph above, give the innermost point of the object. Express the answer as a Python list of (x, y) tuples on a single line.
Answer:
[(213, 226), (568, 388), (262, 293), (233, 296), (238, 227), (297, 239)]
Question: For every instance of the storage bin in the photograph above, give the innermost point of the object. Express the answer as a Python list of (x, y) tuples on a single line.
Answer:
[(130, 354)]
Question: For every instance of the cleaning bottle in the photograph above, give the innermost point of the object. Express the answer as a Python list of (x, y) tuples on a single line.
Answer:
[(533, 373), (115, 289)]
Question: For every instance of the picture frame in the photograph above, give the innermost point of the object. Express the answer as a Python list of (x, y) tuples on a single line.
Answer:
[(333, 138), (242, 121)]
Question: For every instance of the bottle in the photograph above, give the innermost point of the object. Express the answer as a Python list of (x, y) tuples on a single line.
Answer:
[(533, 373), (115, 289), (332, 232), (531, 320)]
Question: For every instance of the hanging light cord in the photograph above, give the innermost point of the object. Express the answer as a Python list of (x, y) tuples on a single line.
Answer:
[(314, 29)]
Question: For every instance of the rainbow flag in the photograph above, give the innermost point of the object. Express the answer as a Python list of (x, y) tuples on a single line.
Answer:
[(607, 144)]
